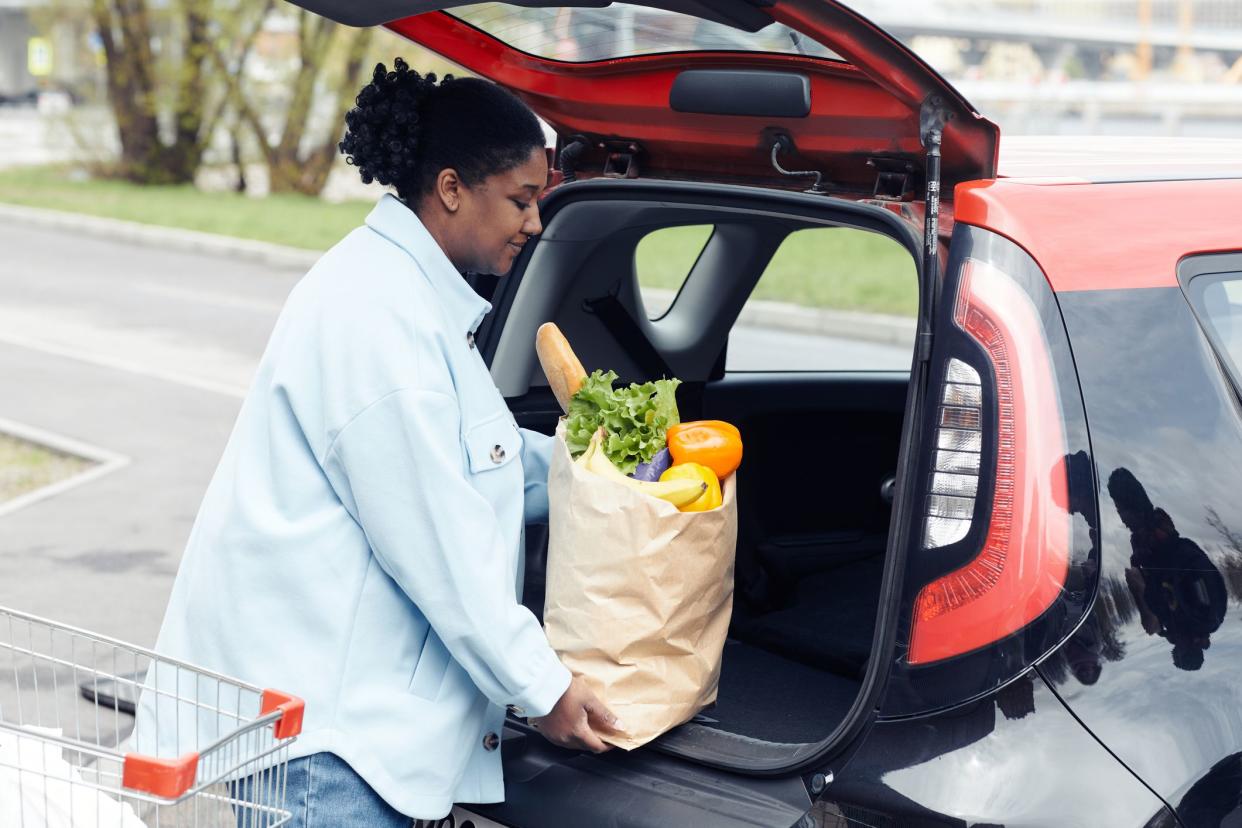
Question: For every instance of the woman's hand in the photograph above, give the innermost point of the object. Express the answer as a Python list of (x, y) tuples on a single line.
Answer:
[(574, 720)]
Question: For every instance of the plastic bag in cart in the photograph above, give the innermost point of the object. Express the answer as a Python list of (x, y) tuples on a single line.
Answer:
[(38, 787)]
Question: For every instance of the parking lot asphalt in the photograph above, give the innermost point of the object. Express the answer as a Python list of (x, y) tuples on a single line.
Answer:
[(141, 352)]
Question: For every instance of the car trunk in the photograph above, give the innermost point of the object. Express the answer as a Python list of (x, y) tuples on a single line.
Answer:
[(822, 448), (812, 536)]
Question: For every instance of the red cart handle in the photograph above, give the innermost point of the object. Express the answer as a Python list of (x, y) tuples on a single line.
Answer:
[(167, 778), (291, 710)]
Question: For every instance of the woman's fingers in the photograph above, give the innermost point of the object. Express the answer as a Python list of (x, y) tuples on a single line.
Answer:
[(584, 734), (600, 716)]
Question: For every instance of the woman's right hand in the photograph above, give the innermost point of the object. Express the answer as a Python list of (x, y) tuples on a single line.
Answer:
[(576, 717)]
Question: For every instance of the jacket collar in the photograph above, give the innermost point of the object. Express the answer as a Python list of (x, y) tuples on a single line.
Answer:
[(400, 225)]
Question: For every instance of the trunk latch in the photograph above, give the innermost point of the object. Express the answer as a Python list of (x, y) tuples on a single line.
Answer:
[(622, 159)]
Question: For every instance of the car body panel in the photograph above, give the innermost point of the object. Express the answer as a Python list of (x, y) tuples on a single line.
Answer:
[(1103, 159), (1100, 236), (1155, 671), (1017, 759), (869, 107)]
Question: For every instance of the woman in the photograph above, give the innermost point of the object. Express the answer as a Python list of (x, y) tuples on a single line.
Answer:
[(360, 542)]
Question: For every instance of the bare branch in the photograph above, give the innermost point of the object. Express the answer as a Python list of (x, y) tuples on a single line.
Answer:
[(233, 90)]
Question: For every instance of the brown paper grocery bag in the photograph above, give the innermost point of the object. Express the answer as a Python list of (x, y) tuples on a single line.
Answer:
[(639, 596)]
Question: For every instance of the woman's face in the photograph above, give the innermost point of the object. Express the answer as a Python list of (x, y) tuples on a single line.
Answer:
[(497, 216)]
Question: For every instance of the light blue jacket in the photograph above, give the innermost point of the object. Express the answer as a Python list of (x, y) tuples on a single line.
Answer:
[(360, 542)]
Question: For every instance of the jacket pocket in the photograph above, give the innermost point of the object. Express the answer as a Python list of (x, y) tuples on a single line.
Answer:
[(432, 664), (492, 444)]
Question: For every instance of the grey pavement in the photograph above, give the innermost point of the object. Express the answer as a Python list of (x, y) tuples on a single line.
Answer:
[(142, 352), (146, 352)]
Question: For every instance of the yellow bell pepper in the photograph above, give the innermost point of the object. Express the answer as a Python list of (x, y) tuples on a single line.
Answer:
[(707, 501)]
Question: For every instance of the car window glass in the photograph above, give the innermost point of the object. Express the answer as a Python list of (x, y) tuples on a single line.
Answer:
[(830, 299), (1220, 306), (663, 259), (622, 30)]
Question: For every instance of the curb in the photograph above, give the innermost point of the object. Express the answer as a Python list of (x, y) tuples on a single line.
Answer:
[(759, 313), (171, 238)]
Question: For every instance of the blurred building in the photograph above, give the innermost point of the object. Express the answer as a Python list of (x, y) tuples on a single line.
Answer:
[(46, 46), (15, 33)]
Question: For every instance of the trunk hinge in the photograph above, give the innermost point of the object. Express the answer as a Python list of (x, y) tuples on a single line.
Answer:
[(894, 178), (932, 119)]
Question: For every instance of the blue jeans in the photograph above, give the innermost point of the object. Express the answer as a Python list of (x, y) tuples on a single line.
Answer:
[(323, 791)]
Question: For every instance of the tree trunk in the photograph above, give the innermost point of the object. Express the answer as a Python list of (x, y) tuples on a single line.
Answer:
[(308, 173), (129, 84), (182, 159), (133, 74)]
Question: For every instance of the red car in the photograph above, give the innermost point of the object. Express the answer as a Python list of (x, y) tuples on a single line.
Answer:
[(998, 587)]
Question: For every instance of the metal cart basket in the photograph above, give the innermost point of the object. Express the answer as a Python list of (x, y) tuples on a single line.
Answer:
[(66, 763)]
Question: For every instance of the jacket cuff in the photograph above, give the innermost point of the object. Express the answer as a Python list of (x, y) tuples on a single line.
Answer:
[(539, 698)]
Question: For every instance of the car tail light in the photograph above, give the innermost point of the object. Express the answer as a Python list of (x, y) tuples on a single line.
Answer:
[(959, 443), (1023, 559)]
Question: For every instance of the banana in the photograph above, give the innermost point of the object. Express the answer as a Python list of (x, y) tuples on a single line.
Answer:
[(677, 492)]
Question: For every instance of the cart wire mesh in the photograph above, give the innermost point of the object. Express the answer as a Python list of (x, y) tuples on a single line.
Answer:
[(202, 750)]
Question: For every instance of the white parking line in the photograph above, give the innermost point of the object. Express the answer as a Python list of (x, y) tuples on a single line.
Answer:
[(108, 462), (35, 344)]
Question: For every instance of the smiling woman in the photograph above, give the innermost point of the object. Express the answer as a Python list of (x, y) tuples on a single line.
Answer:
[(465, 155), (371, 498)]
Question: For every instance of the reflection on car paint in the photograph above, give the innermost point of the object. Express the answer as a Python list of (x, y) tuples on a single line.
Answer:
[(1018, 758), (1153, 671)]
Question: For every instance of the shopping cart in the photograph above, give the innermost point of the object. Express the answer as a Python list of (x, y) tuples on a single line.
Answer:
[(64, 762)]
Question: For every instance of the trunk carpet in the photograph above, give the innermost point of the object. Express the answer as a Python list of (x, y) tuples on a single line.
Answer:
[(831, 623), (765, 696)]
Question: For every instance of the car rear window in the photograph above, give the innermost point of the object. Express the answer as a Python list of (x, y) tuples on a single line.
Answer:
[(663, 259), (830, 299), (580, 35), (1218, 299)]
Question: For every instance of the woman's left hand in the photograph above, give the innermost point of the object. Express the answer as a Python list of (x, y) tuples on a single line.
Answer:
[(573, 721)]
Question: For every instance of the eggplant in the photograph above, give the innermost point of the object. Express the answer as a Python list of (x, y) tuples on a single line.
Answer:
[(658, 465)]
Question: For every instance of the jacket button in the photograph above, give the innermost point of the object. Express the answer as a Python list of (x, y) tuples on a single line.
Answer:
[(491, 741), (470, 340), (498, 453)]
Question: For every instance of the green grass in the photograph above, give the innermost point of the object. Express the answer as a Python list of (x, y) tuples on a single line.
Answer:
[(298, 221), (25, 467), (834, 267), (823, 267)]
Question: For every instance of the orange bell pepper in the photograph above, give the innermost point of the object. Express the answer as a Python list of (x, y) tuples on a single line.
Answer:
[(713, 443)]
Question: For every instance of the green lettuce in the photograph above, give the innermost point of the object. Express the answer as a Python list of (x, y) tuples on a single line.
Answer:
[(636, 418)]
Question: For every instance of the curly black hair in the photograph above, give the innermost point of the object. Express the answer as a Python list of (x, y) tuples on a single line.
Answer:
[(406, 128)]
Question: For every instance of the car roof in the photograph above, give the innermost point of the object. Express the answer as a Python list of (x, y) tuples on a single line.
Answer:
[(1077, 159)]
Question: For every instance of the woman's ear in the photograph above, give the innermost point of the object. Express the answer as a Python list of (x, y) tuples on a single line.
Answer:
[(448, 189)]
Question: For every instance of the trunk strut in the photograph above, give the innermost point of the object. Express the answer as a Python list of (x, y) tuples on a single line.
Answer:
[(932, 119)]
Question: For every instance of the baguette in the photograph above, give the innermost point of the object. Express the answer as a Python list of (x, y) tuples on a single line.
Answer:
[(565, 373)]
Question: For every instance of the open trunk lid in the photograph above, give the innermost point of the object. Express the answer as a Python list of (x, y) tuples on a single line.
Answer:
[(703, 89)]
